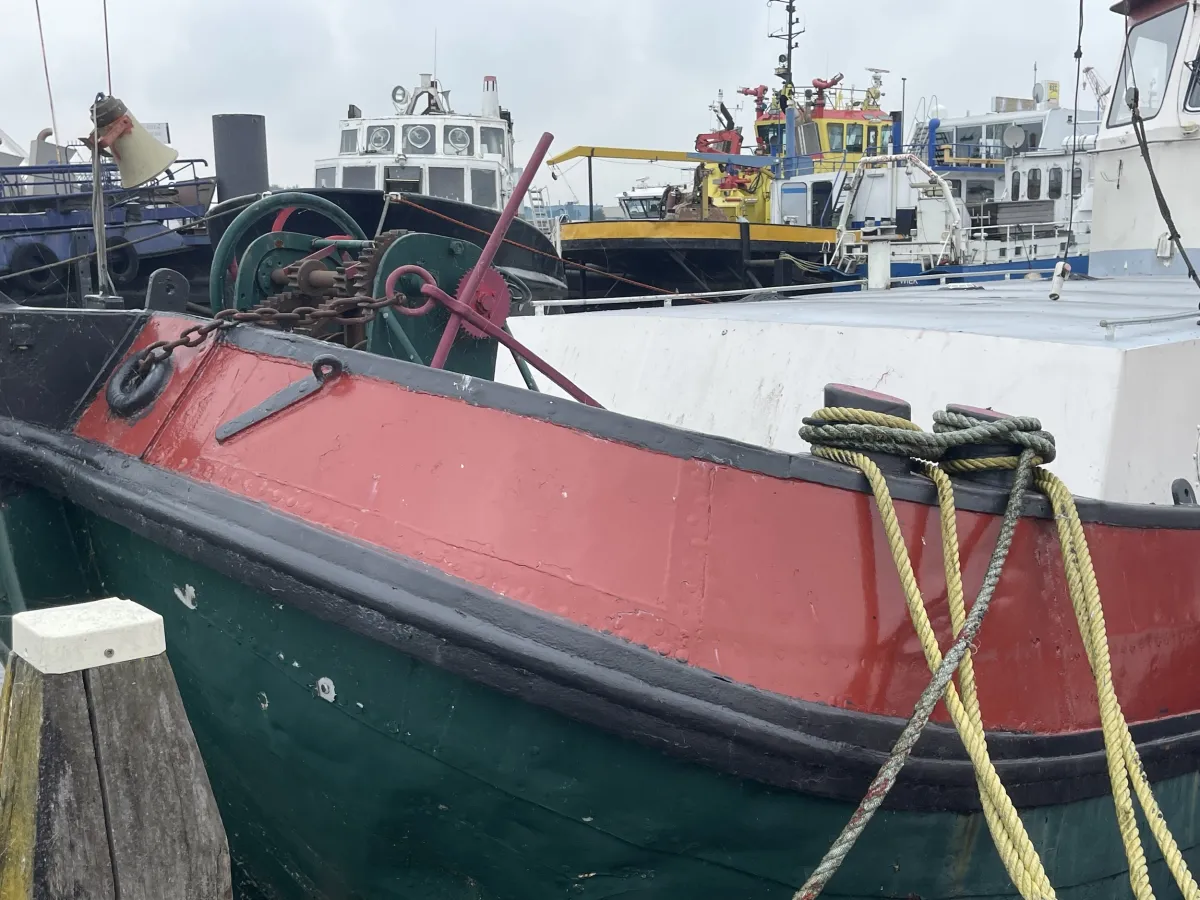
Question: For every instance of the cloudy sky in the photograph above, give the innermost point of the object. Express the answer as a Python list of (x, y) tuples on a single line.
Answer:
[(608, 72)]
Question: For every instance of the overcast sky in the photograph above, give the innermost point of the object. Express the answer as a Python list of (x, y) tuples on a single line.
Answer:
[(638, 73)]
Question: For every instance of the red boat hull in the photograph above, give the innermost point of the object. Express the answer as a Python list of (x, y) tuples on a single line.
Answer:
[(780, 580)]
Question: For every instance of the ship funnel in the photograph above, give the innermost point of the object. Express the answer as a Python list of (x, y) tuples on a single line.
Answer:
[(491, 98)]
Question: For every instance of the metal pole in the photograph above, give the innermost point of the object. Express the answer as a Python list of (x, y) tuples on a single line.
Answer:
[(511, 208), (903, 110), (591, 202)]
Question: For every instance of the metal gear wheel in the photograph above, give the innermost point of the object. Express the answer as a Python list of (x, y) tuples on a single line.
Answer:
[(492, 300)]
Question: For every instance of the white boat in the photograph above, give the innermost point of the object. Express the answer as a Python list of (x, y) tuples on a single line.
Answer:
[(970, 195), (425, 147)]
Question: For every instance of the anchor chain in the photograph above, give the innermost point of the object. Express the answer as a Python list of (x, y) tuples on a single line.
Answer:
[(357, 310)]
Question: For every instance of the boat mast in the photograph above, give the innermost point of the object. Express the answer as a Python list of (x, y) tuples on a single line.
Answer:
[(789, 34)]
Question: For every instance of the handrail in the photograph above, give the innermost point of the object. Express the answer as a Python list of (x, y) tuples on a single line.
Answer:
[(539, 306), (908, 159)]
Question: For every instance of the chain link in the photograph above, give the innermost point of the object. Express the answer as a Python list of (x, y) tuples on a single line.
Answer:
[(341, 310)]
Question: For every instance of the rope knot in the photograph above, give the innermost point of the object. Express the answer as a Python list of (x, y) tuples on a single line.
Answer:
[(847, 429)]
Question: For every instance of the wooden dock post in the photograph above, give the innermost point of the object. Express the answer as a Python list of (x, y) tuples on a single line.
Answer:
[(103, 794)]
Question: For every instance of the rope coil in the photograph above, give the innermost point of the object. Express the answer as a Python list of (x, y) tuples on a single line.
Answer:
[(845, 435)]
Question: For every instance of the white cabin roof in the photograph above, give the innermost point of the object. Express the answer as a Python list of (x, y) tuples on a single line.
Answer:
[(1018, 309)]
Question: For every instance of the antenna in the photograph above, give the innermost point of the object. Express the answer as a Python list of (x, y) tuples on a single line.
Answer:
[(435, 56), (788, 34)]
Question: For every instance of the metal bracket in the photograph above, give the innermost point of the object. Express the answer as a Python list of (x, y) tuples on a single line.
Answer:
[(167, 291), (325, 369)]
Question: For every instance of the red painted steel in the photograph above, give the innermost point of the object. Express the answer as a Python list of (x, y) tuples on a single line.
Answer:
[(787, 585), (134, 435)]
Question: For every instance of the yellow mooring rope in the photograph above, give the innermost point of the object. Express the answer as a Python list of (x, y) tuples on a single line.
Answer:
[(841, 434)]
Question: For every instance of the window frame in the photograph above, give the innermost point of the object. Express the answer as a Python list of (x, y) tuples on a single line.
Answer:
[(1054, 183), (1033, 184), (1112, 120)]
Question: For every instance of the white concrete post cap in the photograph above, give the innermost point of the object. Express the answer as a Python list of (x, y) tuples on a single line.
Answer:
[(87, 635)]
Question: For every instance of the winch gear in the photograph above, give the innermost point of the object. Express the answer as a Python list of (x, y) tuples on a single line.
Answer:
[(492, 300), (369, 259)]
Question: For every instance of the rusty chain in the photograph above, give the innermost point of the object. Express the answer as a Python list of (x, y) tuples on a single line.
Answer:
[(337, 310)]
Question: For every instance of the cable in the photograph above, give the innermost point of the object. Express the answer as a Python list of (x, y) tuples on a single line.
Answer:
[(104, 282), (1074, 136), (37, 7), (1139, 132), (580, 266), (190, 223), (107, 57)]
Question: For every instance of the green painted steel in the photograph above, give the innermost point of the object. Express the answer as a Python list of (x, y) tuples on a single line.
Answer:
[(448, 261), (226, 249), (274, 250), (401, 780), (39, 562)]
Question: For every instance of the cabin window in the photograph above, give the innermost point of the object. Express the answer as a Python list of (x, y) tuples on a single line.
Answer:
[(483, 188), (1033, 184), (810, 139), (1146, 63), (793, 202), (967, 142), (326, 177), (994, 142), (980, 191), (1015, 192), (955, 187), (872, 137), (458, 140), (885, 139), (1193, 97), (359, 177), (854, 138), (1054, 188), (418, 139), (448, 183), (1076, 182), (837, 137), (381, 138), (822, 204), (402, 179), (769, 135), (492, 140), (642, 207), (349, 140)]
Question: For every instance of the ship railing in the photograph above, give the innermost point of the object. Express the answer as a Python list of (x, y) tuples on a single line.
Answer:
[(964, 155), (786, 291), (845, 233), (29, 185), (1024, 232)]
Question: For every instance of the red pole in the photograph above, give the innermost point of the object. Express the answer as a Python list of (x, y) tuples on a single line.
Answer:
[(511, 208)]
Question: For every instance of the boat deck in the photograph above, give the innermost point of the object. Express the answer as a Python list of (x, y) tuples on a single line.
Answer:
[(1006, 309)]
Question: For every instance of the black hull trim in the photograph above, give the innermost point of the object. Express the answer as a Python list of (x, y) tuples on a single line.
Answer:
[(541, 659)]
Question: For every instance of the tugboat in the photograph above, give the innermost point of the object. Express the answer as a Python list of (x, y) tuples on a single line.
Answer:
[(46, 217), (731, 230), (443, 637), (431, 169)]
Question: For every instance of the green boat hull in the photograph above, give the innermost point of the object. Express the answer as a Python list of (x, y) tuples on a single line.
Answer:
[(345, 768)]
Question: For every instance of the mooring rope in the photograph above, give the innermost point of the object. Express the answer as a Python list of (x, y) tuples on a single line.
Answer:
[(842, 434)]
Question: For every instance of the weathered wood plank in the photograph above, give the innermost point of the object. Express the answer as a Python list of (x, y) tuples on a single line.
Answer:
[(167, 838), (53, 840)]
